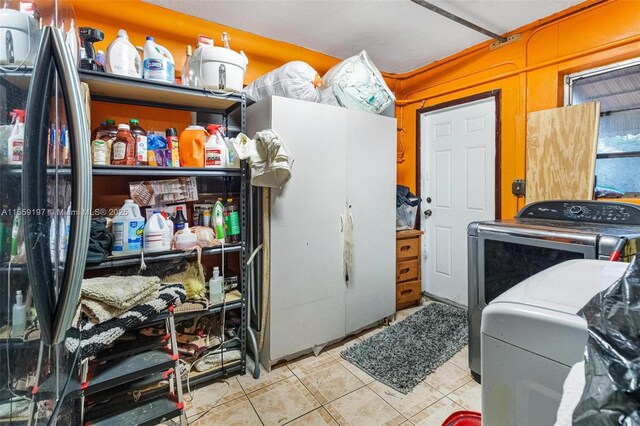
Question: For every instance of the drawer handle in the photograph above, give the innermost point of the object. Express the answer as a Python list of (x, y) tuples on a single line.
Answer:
[(404, 271), (405, 248), (409, 291)]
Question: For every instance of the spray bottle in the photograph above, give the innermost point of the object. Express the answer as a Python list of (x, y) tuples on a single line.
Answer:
[(15, 147), (215, 150), (218, 220)]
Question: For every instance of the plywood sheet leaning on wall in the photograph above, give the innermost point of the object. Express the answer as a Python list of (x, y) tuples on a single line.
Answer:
[(561, 152)]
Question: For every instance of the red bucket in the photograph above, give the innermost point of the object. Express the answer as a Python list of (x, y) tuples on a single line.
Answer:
[(463, 418)]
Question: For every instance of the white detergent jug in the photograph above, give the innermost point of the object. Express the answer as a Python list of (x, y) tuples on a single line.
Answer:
[(155, 233), (123, 58), (128, 227), (158, 62)]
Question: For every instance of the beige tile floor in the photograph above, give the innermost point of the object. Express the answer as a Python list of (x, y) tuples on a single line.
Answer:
[(327, 390)]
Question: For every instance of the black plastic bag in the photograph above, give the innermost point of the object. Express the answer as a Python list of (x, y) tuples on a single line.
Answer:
[(611, 395), (100, 242)]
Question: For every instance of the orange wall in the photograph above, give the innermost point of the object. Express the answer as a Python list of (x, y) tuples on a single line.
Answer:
[(175, 31), (529, 72)]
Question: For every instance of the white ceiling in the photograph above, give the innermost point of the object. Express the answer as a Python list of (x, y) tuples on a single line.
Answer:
[(398, 35)]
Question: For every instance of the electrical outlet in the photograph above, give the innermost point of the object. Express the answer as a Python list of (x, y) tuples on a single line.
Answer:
[(519, 187)]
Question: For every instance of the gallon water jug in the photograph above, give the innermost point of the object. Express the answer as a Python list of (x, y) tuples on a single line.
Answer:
[(155, 233), (158, 62), (128, 227)]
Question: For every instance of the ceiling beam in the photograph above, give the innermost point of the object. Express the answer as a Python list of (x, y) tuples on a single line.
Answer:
[(459, 20)]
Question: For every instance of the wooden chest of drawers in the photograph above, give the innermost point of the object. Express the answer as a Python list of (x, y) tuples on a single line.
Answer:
[(408, 274)]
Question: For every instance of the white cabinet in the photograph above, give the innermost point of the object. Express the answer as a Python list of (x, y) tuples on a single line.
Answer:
[(344, 172)]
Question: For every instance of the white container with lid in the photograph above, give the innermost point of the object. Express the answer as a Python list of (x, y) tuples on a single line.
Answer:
[(219, 68)]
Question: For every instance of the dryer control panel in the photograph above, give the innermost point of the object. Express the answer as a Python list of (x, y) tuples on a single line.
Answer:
[(583, 211)]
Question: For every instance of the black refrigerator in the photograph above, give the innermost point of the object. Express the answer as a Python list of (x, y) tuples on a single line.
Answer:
[(45, 202)]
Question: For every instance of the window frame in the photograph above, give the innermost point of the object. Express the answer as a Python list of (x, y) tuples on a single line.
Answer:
[(571, 79)]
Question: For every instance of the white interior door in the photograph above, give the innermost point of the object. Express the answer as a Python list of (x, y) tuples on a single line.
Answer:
[(371, 197), (458, 187)]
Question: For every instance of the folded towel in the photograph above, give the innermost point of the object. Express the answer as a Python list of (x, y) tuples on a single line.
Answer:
[(96, 337), (99, 312), (119, 292)]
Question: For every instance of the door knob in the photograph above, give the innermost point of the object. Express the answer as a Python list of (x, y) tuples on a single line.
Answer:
[(428, 199), (428, 213)]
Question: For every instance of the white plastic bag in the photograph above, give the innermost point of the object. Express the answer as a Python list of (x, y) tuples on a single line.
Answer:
[(357, 84), (297, 80)]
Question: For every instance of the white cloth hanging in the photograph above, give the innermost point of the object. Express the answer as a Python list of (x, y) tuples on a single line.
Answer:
[(268, 156)]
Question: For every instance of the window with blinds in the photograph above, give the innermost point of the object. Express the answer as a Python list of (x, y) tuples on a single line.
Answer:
[(617, 88)]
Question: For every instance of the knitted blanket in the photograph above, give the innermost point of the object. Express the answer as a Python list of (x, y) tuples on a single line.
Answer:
[(97, 337), (104, 298)]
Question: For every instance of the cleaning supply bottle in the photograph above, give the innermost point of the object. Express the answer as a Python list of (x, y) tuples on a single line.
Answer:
[(191, 146), (15, 143), (216, 295), (232, 221), (218, 220), (158, 62), (123, 150), (19, 317), (16, 235), (168, 231), (128, 229), (174, 145), (155, 233), (233, 161), (215, 150), (140, 136), (100, 58), (122, 57)]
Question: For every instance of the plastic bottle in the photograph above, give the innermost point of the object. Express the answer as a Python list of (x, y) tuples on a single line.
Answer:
[(192, 141), (174, 145), (100, 58), (123, 150), (216, 295), (218, 220), (99, 145), (140, 136), (185, 74), (158, 62), (168, 231), (215, 150), (16, 235), (71, 39), (233, 159), (232, 221), (122, 57), (155, 233), (180, 221), (15, 144), (19, 317), (128, 229)]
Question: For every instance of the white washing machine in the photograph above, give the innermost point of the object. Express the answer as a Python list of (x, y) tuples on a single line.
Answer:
[(530, 338)]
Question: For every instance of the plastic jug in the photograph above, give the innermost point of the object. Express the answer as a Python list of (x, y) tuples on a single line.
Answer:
[(155, 233), (158, 62), (215, 150), (128, 228), (19, 317), (191, 146), (122, 57)]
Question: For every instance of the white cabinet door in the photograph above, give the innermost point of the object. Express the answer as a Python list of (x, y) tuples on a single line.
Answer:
[(307, 288), (371, 198)]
